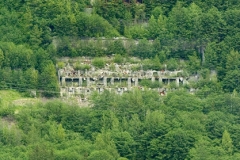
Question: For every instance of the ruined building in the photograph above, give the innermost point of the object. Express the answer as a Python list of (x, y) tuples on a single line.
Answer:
[(83, 82)]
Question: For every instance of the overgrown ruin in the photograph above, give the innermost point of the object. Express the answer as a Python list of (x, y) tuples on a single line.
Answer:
[(118, 78)]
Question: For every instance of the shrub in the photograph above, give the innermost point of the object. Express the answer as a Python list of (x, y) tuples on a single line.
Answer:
[(153, 64), (118, 59), (98, 62), (61, 64), (82, 66), (112, 67), (148, 83), (135, 68), (172, 64)]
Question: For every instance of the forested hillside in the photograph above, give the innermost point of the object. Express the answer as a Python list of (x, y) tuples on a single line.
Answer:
[(200, 37), (33, 34), (136, 125)]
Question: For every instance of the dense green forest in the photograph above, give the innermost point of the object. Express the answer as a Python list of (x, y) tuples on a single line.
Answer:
[(199, 36), (136, 125)]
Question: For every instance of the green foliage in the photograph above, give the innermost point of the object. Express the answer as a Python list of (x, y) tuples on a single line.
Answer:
[(102, 154), (1, 57), (231, 81), (204, 149), (48, 81), (227, 143), (104, 143), (112, 67), (60, 64), (83, 25), (98, 62), (41, 152), (118, 59), (211, 56), (83, 67), (31, 78), (16, 56), (135, 32), (194, 63), (152, 64), (116, 47), (181, 101), (150, 84), (178, 149), (136, 125), (157, 11), (233, 61), (143, 50), (172, 64)]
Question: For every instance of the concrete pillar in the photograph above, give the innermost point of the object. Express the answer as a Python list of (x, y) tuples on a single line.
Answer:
[(63, 81), (160, 80), (98, 90), (177, 81), (153, 79), (185, 82), (80, 81), (112, 81), (151, 73), (59, 77), (168, 81), (118, 90), (88, 81), (129, 82), (105, 81), (121, 91), (136, 81)]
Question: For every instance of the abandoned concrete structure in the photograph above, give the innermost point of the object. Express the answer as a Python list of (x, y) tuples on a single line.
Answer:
[(122, 79)]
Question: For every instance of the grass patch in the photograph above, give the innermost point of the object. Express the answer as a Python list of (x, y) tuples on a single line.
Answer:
[(13, 97), (7, 96)]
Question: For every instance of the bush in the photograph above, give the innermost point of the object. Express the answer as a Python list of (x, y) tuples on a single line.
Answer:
[(148, 83), (61, 64), (118, 59), (173, 85), (112, 67), (6, 111), (135, 68), (183, 74), (98, 62), (135, 32), (205, 73), (172, 64), (153, 64), (82, 66)]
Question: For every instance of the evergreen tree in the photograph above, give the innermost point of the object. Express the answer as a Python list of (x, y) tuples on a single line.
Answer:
[(48, 83)]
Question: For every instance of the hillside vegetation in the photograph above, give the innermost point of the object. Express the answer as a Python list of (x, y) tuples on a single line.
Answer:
[(200, 37), (32, 34), (136, 125)]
